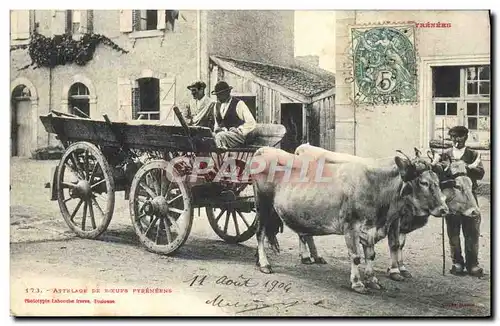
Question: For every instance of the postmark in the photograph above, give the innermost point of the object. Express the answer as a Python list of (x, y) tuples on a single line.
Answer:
[(384, 64)]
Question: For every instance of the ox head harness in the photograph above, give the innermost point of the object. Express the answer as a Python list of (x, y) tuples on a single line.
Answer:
[(416, 167), (450, 181)]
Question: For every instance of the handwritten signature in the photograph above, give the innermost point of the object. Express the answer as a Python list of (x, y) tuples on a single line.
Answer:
[(221, 302), (240, 282)]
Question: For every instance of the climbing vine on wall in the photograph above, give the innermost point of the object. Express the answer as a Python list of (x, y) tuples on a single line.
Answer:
[(63, 49)]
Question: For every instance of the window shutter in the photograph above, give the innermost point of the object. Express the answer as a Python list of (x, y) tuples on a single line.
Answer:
[(86, 21), (161, 19), (136, 101), (136, 20), (23, 24), (90, 21), (124, 99), (167, 99), (126, 20), (13, 25), (69, 21), (58, 22)]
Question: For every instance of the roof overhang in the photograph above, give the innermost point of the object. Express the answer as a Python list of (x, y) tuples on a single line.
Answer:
[(249, 75)]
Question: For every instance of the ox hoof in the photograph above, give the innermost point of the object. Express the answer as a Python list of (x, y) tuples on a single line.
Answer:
[(406, 274), (266, 269), (396, 277), (319, 260), (375, 285), (359, 288), (307, 261)]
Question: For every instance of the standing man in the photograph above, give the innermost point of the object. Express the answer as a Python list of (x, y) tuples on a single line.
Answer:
[(199, 111), (233, 119), (470, 227)]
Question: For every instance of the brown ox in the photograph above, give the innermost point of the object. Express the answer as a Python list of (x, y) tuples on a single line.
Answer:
[(455, 185), (359, 201)]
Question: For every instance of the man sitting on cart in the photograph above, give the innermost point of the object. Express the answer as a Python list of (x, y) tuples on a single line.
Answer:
[(233, 119), (200, 108)]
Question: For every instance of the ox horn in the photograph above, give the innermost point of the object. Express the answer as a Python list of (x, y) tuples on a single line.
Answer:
[(399, 151), (417, 152)]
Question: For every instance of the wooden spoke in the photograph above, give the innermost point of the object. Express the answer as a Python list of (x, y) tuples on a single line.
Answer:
[(84, 218), (236, 227), (68, 185), (151, 225), (91, 213), (220, 215), (76, 168), (96, 204), (97, 183), (169, 234), (94, 170), (68, 199), (175, 210), (148, 190), (86, 165), (76, 209), (156, 185), (174, 223), (174, 199), (243, 218), (158, 230), (227, 222)]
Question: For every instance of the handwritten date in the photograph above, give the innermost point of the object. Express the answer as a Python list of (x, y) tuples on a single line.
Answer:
[(240, 282)]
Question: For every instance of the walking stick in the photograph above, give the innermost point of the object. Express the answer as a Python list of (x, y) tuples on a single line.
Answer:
[(442, 219)]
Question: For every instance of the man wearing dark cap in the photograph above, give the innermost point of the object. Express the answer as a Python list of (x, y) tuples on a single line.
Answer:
[(233, 119), (470, 227), (200, 108)]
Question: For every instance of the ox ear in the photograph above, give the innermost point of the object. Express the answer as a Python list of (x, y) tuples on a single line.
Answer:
[(448, 184), (438, 169)]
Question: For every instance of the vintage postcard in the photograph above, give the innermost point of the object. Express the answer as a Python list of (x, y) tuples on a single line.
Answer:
[(250, 163)]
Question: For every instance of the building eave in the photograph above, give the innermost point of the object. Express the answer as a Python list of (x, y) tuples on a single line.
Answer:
[(249, 75)]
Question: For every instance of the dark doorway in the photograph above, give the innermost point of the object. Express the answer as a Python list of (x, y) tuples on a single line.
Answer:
[(21, 124), (250, 101), (291, 118)]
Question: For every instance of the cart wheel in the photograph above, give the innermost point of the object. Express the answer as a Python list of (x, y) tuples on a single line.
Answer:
[(160, 207), (85, 184), (243, 222)]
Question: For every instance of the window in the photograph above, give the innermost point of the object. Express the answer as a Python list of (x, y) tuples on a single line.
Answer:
[(147, 23), (478, 81), (461, 96), (146, 99), (145, 20), (74, 21), (20, 24), (78, 101)]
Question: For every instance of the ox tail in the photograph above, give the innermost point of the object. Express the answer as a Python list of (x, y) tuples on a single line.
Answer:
[(273, 224), (268, 218)]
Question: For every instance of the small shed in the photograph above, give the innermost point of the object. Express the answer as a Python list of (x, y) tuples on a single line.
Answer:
[(302, 99)]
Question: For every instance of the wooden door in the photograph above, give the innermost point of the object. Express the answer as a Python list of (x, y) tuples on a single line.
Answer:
[(22, 128), (291, 118)]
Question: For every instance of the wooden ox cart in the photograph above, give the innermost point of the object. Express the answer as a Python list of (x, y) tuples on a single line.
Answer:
[(153, 164)]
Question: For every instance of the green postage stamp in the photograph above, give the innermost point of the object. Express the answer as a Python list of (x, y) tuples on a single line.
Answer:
[(385, 67)]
